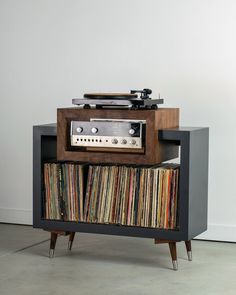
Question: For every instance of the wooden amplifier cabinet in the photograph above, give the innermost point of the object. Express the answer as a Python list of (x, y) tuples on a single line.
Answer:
[(154, 151)]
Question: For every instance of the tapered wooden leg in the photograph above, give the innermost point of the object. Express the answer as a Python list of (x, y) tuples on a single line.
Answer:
[(71, 239), (189, 249), (173, 253), (52, 244)]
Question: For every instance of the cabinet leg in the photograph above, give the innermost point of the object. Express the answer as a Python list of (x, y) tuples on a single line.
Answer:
[(52, 244), (71, 239), (189, 249), (173, 252)]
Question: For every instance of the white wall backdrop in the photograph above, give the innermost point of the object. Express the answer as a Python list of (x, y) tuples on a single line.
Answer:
[(52, 51)]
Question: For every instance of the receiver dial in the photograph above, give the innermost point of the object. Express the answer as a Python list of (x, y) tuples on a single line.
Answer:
[(94, 130)]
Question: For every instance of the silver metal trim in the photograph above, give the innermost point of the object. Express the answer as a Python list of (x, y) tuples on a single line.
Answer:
[(118, 120), (175, 264), (105, 141), (190, 258), (51, 253)]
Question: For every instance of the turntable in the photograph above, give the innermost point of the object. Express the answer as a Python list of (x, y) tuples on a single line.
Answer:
[(119, 100)]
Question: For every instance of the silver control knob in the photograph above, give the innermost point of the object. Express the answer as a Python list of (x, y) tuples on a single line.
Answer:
[(133, 142), (123, 141), (131, 131), (94, 130), (79, 129), (114, 141)]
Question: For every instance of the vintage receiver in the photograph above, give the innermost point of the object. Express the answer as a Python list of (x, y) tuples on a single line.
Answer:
[(108, 133), (105, 136)]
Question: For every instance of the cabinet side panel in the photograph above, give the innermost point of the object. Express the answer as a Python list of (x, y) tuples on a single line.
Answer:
[(198, 181), (61, 134), (36, 175), (166, 118), (44, 149)]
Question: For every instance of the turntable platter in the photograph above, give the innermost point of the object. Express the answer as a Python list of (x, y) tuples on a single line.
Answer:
[(120, 96)]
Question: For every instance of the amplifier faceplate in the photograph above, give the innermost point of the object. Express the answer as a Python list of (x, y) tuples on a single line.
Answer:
[(108, 133)]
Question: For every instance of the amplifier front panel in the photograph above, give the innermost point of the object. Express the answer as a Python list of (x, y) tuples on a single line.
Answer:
[(107, 134)]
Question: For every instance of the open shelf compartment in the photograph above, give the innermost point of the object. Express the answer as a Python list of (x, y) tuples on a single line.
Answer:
[(193, 186)]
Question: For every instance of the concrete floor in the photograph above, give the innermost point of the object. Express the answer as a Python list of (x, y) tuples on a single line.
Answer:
[(108, 265)]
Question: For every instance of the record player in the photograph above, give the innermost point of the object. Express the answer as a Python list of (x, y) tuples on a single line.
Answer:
[(115, 127), (129, 100)]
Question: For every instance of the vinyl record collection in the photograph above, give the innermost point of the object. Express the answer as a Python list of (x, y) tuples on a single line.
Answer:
[(133, 196), (145, 197), (63, 191)]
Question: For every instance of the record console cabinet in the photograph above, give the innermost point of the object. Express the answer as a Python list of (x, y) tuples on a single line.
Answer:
[(193, 190)]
